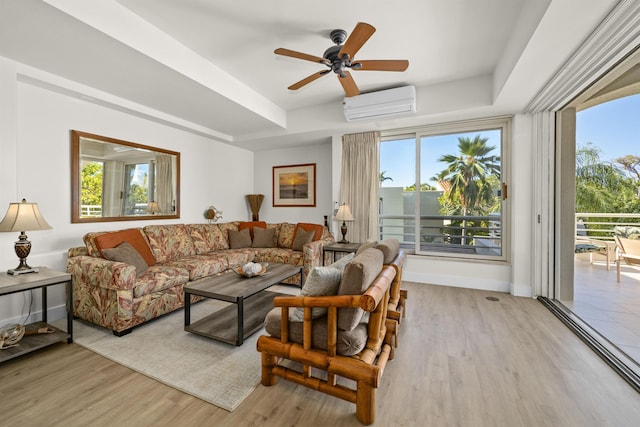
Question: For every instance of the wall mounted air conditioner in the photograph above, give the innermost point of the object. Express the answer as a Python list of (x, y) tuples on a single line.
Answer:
[(381, 104)]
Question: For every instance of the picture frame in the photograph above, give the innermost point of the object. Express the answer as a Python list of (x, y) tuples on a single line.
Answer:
[(294, 185)]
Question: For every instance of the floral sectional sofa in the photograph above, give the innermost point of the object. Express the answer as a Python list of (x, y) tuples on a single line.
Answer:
[(126, 277)]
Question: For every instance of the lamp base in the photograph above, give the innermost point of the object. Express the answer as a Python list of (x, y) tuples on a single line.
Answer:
[(343, 230), (16, 271)]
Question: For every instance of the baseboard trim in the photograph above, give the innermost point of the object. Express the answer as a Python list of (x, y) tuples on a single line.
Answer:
[(617, 359)]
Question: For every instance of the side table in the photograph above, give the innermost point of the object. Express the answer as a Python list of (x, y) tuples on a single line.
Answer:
[(46, 277), (339, 247)]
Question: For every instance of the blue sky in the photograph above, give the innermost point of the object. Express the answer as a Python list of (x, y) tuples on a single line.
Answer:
[(394, 155), (614, 127)]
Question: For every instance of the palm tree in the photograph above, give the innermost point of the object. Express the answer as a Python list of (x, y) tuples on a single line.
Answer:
[(384, 178), (466, 176)]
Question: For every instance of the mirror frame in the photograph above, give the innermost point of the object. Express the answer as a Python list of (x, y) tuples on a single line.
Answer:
[(76, 136)]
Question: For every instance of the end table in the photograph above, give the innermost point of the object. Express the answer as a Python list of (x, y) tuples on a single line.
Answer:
[(339, 247), (46, 277)]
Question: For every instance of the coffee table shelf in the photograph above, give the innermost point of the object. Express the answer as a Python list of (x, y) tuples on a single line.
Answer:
[(251, 302)]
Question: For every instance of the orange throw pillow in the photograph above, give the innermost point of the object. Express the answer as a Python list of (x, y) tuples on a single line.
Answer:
[(133, 236), (250, 225)]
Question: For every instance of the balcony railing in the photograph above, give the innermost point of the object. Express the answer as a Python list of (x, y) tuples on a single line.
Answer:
[(601, 226), (446, 233)]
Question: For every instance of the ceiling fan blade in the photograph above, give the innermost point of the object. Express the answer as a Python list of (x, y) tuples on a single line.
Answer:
[(300, 55), (308, 80), (348, 84), (382, 65), (357, 39)]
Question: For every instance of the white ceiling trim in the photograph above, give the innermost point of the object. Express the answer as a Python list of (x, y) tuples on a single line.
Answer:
[(616, 37), (119, 23)]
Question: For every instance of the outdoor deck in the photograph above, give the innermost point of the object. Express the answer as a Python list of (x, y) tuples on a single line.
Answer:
[(611, 308)]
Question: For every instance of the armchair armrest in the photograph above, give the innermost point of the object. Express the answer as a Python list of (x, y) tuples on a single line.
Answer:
[(100, 272)]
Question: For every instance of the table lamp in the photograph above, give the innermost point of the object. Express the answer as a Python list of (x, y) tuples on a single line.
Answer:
[(344, 214), (153, 208), (23, 217)]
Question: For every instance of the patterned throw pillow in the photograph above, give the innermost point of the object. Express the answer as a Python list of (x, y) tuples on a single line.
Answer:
[(321, 281), (126, 253)]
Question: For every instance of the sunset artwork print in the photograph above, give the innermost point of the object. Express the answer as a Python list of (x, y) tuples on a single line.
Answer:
[(294, 185)]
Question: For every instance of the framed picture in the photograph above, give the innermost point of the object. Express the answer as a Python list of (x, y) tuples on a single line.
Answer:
[(294, 185)]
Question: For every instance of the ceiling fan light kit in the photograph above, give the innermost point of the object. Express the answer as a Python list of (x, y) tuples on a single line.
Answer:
[(341, 57)]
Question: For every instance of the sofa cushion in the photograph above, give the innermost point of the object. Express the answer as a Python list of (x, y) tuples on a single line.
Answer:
[(320, 281), (126, 253), (348, 342), (279, 255), (239, 239), (301, 238), (316, 228), (169, 241), (251, 225), (390, 249), (264, 238), (110, 239), (207, 237), (200, 266), (285, 236), (357, 277), (237, 257), (158, 278)]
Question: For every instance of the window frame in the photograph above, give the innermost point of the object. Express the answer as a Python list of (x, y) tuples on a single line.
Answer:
[(502, 123)]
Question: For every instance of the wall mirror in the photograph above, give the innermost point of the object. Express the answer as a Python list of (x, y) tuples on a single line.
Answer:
[(114, 180)]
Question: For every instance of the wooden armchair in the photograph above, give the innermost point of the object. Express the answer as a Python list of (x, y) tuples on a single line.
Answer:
[(321, 342)]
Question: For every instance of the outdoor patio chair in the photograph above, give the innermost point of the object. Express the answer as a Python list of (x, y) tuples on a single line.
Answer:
[(629, 251)]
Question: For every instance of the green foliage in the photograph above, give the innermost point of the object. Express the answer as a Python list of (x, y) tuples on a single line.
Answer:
[(471, 178), (384, 178), (423, 187), (91, 191), (603, 187)]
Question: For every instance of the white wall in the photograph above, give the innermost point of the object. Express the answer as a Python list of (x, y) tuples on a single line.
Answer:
[(35, 124), (320, 154)]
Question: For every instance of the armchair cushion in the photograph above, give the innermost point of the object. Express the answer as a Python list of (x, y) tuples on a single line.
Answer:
[(357, 277), (321, 281), (390, 249), (348, 342), (126, 253)]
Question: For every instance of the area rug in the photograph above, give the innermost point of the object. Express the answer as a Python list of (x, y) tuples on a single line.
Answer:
[(218, 373)]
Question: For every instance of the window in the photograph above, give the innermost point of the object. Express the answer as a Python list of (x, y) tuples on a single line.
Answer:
[(457, 169)]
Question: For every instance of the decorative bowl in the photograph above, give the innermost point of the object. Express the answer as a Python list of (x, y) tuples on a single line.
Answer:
[(243, 274)]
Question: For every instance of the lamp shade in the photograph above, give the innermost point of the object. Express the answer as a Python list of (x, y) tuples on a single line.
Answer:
[(344, 213), (153, 207), (23, 217)]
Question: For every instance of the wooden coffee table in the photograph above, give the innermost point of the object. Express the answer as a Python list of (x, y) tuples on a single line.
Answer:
[(252, 302)]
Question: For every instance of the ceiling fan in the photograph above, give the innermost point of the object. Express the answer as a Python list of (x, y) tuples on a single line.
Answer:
[(340, 58)]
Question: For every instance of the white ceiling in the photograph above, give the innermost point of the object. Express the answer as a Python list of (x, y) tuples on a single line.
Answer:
[(210, 66)]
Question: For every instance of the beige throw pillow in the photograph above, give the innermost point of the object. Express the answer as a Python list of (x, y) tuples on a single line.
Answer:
[(239, 239), (302, 238), (126, 253), (264, 237), (321, 281)]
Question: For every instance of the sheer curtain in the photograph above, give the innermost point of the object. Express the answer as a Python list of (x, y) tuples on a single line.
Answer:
[(360, 183), (112, 188), (164, 183)]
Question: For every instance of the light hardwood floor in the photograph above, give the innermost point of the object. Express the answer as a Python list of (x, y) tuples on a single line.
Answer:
[(462, 360)]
